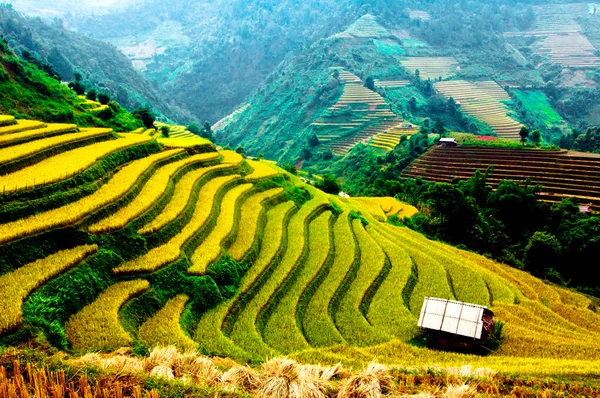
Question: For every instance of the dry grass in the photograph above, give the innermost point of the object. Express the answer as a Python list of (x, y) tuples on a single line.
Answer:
[(45, 384), (372, 382), (243, 377), (284, 378), (460, 391)]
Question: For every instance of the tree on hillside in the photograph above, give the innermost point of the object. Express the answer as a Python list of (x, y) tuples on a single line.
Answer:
[(103, 98), (524, 133), (439, 127), (370, 83), (194, 128), (412, 104), (77, 85), (328, 184), (165, 131), (92, 95), (542, 252), (313, 140), (240, 149), (207, 132), (536, 137), (145, 115)]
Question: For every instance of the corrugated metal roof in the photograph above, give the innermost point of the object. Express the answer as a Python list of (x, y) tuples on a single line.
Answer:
[(454, 317)]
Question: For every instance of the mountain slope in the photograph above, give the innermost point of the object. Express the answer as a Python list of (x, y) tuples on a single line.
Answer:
[(211, 55), (29, 93), (153, 244), (101, 64)]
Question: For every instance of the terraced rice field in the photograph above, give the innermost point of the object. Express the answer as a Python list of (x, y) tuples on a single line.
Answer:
[(431, 67), (176, 131), (357, 116), (388, 140), (236, 267), (559, 35), (366, 27), (391, 84), (484, 101), (221, 124), (572, 50), (561, 174), (422, 15)]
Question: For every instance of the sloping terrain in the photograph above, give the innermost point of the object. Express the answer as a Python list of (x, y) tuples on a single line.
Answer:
[(203, 249), (103, 67), (484, 100), (561, 174), (359, 114)]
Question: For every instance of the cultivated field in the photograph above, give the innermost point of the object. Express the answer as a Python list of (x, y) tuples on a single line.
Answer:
[(357, 116), (391, 83), (422, 15), (561, 174), (431, 67), (484, 101), (365, 27), (153, 245), (559, 35), (221, 124)]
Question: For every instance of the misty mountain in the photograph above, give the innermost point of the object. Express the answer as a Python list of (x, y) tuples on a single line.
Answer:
[(102, 65)]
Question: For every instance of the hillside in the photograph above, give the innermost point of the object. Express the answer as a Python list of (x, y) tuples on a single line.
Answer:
[(29, 93), (103, 67), (221, 49), (173, 242)]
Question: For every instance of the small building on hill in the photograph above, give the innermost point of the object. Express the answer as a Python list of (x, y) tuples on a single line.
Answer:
[(586, 209), (455, 324), (448, 142)]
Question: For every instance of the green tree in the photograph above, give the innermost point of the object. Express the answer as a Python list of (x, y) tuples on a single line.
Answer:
[(194, 129), (103, 98), (207, 132), (313, 141), (240, 149), (328, 184), (412, 104), (524, 133), (536, 137), (370, 83), (92, 95), (290, 168), (165, 131), (145, 115), (439, 127), (541, 253)]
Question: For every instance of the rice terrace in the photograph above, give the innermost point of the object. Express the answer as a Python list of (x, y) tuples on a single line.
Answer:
[(330, 199)]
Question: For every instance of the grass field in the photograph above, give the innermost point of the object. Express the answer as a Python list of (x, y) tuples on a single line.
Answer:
[(255, 267)]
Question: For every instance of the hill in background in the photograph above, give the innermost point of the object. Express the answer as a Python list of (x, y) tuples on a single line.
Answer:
[(102, 66)]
